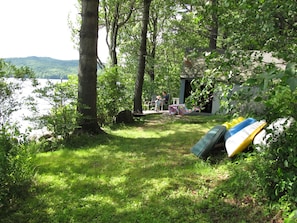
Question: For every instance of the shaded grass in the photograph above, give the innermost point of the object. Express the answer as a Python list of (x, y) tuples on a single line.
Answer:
[(142, 173)]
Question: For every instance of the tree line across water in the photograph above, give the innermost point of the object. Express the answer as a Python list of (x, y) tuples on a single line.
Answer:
[(46, 67)]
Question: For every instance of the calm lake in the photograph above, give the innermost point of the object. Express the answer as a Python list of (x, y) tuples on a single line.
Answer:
[(42, 105)]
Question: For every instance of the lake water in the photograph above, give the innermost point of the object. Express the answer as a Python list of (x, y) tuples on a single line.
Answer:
[(42, 105)]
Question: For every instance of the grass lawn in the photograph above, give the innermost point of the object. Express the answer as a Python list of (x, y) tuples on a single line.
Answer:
[(144, 173)]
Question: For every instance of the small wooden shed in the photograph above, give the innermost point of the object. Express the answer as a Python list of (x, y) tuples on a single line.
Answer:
[(194, 67)]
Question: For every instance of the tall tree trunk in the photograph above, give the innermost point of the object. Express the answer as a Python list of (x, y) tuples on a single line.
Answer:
[(151, 70), (214, 25), (113, 36), (142, 58), (87, 73)]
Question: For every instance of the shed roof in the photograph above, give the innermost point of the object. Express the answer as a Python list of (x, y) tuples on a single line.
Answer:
[(195, 66)]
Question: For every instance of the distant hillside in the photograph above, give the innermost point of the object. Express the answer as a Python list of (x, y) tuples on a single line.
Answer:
[(46, 67)]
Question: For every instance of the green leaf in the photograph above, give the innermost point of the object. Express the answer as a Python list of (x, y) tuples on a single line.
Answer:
[(290, 69), (258, 99), (292, 82), (292, 217), (198, 19)]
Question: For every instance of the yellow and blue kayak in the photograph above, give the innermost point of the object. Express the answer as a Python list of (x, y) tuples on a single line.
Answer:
[(238, 127), (233, 122), (241, 140)]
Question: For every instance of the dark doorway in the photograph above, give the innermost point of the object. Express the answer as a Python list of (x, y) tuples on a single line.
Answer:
[(187, 93)]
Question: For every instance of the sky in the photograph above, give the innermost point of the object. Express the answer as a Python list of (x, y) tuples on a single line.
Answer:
[(40, 28)]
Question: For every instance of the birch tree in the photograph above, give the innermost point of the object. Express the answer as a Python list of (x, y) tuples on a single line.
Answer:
[(116, 14)]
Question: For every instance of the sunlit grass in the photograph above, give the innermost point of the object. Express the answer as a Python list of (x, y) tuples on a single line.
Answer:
[(139, 173)]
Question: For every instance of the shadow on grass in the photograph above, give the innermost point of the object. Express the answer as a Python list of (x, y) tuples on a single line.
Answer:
[(136, 179)]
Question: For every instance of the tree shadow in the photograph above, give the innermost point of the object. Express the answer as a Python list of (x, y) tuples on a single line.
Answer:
[(126, 179)]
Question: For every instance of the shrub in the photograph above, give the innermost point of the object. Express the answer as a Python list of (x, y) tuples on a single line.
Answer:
[(16, 167), (61, 120), (280, 167), (279, 162), (112, 96)]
